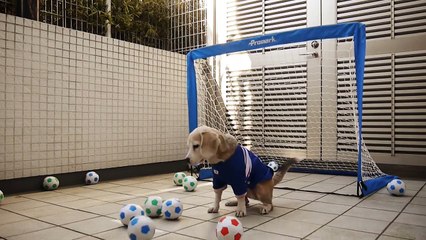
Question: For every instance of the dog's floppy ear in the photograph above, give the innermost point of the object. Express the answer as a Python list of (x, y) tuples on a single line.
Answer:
[(209, 145), (227, 145), (223, 146)]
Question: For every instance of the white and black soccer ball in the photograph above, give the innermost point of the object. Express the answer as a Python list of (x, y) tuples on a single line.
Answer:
[(130, 211), (229, 228), (172, 208), (141, 228), (178, 178), (189, 183), (50, 183), (92, 177), (153, 206), (396, 187), (274, 165)]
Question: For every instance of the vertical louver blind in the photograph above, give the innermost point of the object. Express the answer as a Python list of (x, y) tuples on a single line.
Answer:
[(375, 14), (384, 17), (285, 103), (260, 91), (286, 15), (248, 18), (244, 91), (377, 103), (410, 103), (395, 82), (244, 19), (410, 17)]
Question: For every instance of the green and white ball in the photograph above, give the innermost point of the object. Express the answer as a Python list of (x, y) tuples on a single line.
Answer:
[(128, 212), (172, 209), (141, 228), (189, 183), (92, 178), (178, 178), (50, 183), (153, 205), (1, 196)]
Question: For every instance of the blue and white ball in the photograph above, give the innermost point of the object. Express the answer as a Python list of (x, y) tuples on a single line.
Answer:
[(172, 208), (92, 177), (50, 183), (396, 187), (189, 183), (178, 178), (141, 228), (273, 165), (153, 206), (130, 211)]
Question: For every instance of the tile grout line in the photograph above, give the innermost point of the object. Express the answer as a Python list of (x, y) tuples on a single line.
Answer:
[(339, 215), (273, 218), (82, 210), (402, 210), (291, 191), (53, 225)]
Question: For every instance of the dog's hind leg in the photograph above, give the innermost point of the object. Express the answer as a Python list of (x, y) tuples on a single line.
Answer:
[(234, 203), (266, 208), (263, 193)]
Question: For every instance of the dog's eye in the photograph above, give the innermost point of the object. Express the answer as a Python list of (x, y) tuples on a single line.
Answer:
[(195, 146)]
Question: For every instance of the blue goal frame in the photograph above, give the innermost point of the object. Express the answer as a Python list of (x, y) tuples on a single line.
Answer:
[(342, 30)]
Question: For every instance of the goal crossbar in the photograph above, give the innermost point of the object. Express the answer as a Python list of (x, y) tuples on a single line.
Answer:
[(344, 30)]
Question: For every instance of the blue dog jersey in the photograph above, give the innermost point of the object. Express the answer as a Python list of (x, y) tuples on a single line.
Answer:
[(242, 170)]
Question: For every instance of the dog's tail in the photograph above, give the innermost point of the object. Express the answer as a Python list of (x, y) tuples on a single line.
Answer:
[(279, 175)]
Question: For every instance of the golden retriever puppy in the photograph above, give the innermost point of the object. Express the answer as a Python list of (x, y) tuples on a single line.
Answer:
[(234, 165)]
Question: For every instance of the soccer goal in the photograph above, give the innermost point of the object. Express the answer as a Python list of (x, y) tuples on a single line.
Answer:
[(294, 93)]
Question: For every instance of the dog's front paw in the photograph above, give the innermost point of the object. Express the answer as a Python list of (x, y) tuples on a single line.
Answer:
[(213, 210), (240, 213)]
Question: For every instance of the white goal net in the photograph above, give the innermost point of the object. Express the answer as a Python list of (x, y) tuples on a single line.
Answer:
[(288, 100)]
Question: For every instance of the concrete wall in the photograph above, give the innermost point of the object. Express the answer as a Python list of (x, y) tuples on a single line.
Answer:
[(73, 101)]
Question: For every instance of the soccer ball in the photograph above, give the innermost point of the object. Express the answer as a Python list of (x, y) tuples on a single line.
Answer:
[(50, 183), (92, 178), (1, 196), (189, 183), (141, 228), (130, 211), (273, 165), (172, 208), (229, 228), (178, 178), (396, 187), (153, 205)]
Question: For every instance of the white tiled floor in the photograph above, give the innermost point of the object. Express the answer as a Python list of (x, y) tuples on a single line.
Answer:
[(91, 212)]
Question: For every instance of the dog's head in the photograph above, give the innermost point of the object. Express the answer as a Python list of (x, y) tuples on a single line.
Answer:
[(205, 143)]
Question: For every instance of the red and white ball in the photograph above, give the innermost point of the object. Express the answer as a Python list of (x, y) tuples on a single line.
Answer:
[(229, 228)]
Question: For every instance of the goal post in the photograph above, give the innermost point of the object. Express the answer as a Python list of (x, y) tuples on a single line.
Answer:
[(207, 106)]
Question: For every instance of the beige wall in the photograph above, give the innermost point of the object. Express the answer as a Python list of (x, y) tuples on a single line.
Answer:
[(72, 101)]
